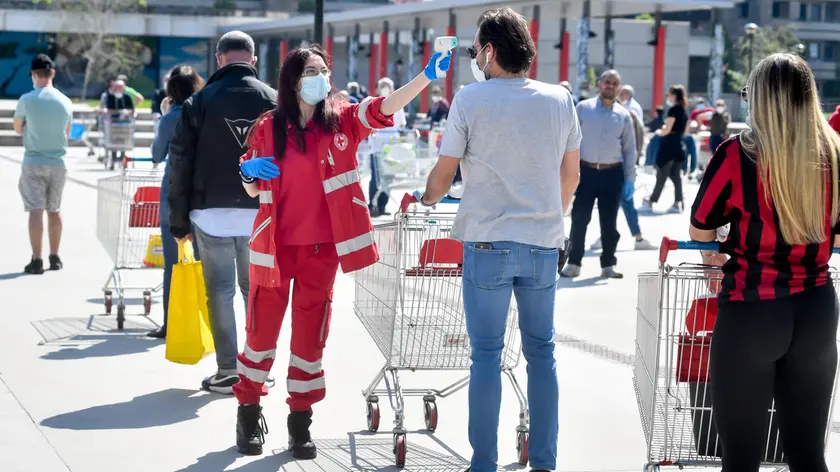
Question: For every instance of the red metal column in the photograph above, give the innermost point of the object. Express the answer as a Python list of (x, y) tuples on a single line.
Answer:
[(329, 45), (372, 71), (449, 82), (658, 69), (424, 95), (284, 50), (564, 56), (535, 37), (383, 51)]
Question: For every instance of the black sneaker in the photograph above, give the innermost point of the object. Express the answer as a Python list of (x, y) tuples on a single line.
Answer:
[(220, 383), (55, 262), (35, 266), (159, 333), (251, 429), (300, 442)]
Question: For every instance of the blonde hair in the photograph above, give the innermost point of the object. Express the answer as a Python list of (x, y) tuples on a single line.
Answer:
[(794, 146)]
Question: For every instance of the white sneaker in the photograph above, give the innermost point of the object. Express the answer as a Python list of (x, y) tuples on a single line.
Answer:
[(646, 206), (678, 208), (644, 245), (570, 270), (610, 273), (596, 245)]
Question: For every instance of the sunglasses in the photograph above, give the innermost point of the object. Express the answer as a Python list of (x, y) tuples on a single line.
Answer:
[(473, 52), (745, 94)]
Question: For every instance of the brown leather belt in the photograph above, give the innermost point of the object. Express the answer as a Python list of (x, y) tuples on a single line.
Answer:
[(601, 166)]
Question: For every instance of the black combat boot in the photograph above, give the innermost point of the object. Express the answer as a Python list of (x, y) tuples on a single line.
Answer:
[(300, 442), (250, 430)]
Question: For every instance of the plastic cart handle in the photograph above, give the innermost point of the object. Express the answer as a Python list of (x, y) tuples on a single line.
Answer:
[(669, 245), (408, 200)]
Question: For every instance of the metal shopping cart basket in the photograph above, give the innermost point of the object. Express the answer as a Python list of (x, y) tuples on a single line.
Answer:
[(410, 303), (398, 161), (127, 221), (119, 137), (676, 312)]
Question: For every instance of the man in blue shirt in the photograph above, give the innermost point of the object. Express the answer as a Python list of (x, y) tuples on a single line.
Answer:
[(43, 117)]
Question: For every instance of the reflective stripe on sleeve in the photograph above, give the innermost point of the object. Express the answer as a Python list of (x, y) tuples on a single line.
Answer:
[(258, 356), (341, 180), (262, 259), (352, 245), (265, 196), (363, 112), (254, 375)]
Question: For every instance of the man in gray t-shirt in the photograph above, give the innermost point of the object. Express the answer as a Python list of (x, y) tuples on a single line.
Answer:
[(517, 142)]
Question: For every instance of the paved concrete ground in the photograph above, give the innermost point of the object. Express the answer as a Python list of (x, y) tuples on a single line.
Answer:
[(76, 395)]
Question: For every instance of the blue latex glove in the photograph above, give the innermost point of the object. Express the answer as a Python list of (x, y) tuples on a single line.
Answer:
[(430, 71), (260, 168), (629, 190)]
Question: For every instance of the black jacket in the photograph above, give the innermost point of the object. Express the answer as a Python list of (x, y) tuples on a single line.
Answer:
[(208, 141)]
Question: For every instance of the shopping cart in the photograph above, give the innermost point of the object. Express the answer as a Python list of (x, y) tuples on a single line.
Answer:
[(398, 161), (79, 133), (676, 312), (410, 303), (119, 137), (127, 224)]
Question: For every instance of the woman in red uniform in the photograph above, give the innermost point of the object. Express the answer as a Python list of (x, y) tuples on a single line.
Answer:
[(776, 185), (313, 218)]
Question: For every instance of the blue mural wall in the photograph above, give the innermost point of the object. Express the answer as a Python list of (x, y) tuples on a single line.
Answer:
[(16, 53), (159, 56)]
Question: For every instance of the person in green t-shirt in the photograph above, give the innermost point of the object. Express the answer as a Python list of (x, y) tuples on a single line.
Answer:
[(136, 96)]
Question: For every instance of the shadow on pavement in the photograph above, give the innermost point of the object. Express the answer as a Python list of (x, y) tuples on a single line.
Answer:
[(577, 282), (359, 452), (101, 345), (12, 275), (162, 408)]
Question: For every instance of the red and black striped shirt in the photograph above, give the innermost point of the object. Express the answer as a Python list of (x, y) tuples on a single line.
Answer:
[(762, 265)]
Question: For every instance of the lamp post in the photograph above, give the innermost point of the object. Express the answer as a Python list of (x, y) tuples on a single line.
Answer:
[(751, 29), (319, 21)]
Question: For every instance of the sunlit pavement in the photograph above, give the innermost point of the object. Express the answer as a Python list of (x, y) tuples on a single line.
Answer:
[(77, 395)]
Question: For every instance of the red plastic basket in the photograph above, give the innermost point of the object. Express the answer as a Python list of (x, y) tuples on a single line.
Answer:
[(145, 211)]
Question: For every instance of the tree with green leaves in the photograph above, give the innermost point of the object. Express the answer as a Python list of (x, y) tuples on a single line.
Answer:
[(768, 40), (105, 54)]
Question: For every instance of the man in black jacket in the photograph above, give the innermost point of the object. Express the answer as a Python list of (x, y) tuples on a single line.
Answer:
[(206, 189)]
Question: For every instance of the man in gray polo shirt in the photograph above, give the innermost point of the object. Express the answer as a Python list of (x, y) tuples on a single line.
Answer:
[(607, 172), (517, 142)]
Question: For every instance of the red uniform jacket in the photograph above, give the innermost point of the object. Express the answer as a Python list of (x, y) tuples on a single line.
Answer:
[(351, 225), (834, 121)]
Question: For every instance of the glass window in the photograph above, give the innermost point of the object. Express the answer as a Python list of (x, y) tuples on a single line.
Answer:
[(781, 10), (814, 51), (803, 12), (816, 12), (744, 10), (832, 12), (829, 51)]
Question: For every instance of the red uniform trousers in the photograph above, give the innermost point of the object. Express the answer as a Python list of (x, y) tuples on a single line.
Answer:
[(313, 269)]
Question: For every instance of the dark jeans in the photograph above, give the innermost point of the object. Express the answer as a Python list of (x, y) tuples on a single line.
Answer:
[(669, 170), (606, 186), (382, 200), (170, 245), (774, 349), (715, 140)]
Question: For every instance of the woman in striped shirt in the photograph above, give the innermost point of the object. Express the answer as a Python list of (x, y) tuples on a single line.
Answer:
[(776, 185)]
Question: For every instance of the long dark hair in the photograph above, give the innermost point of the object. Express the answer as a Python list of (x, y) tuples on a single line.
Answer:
[(288, 109), (183, 82), (678, 91)]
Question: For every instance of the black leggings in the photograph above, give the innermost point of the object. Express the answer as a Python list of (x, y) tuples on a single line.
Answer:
[(668, 170), (785, 350)]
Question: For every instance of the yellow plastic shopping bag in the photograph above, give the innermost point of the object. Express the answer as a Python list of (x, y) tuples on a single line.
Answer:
[(154, 252), (188, 336)]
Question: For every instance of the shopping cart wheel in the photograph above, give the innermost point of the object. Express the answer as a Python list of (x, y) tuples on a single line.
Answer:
[(430, 413), (109, 301), (399, 449), (651, 468), (522, 447), (372, 415), (120, 316), (147, 302)]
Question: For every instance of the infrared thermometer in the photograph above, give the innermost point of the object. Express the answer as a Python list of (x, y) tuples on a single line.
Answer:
[(442, 45)]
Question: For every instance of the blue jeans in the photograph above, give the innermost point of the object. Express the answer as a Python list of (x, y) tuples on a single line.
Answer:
[(225, 260), (490, 277), (632, 215)]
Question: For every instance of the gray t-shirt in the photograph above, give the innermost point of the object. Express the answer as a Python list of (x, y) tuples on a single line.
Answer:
[(510, 135), (46, 113)]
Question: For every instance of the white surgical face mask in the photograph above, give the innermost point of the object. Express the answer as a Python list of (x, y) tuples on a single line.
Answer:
[(313, 90), (384, 91), (34, 83), (118, 95), (669, 103), (720, 109), (478, 72), (436, 98), (748, 121)]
